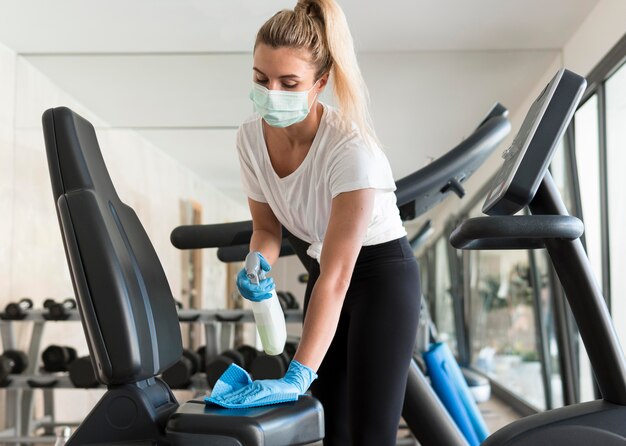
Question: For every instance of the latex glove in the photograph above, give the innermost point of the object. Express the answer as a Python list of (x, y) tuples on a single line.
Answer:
[(252, 291), (269, 391)]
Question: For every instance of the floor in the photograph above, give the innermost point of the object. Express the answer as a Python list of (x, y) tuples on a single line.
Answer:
[(495, 413)]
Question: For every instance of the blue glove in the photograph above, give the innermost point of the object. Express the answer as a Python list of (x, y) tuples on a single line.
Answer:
[(252, 291), (235, 389)]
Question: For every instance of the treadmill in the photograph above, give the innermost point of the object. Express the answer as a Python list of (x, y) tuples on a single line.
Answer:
[(524, 181)]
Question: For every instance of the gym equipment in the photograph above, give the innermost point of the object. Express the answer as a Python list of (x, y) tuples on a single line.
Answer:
[(82, 373), (178, 376), (57, 358), (447, 379), (17, 311), (287, 300), (524, 180), (58, 311), (273, 367), (130, 319), (11, 362), (243, 356), (448, 382)]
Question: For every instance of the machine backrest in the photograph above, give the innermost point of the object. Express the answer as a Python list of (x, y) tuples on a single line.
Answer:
[(125, 302)]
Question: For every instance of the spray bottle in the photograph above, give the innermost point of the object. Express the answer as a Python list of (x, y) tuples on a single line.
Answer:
[(269, 317)]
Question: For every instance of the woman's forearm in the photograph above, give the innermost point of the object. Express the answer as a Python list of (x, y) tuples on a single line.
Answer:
[(267, 243), (320, 324)]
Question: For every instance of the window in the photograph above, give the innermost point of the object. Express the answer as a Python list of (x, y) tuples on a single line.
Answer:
[(502, 322), (443, 305), (616, 169), (588, 166)]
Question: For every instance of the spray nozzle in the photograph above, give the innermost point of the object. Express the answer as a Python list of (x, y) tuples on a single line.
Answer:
[(253, 268)]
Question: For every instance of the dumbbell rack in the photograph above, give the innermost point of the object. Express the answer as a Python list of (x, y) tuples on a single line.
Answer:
[(20, 393), (220, 325), (19, 420)]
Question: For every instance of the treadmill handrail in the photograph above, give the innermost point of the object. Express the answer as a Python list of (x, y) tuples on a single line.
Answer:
[(515, 231), (437, 174)]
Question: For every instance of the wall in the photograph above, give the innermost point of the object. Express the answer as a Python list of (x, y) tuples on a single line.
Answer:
[(32, 261)]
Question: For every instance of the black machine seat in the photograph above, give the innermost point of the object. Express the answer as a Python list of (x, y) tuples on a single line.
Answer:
[(129, 316), (269, 425)]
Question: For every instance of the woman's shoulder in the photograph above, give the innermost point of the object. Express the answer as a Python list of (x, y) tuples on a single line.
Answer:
[(347, 138), (250, 124), (248, 131)]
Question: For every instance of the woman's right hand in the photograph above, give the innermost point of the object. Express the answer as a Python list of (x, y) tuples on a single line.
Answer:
[(253, 291)]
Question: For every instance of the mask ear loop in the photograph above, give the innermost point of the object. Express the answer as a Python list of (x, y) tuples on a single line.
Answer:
[(312, 86)]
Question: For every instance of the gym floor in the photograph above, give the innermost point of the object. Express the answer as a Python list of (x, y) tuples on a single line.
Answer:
[(495, 412)]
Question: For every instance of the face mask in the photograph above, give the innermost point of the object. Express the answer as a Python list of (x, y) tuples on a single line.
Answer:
[(280, 108)]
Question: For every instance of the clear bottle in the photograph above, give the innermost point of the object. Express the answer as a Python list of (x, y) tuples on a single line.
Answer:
[(268, 315)]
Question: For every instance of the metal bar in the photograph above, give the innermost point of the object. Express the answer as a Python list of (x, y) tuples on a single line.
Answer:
[(8, 335), (27, 440), (189, 315), (540, 331), (455, 266), (48, 411), (567, 368), (604, 198)]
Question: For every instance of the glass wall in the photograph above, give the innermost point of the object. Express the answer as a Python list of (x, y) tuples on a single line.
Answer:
[(560, 170), (616, 170), (588, 165), (443, 306), (501, 325)]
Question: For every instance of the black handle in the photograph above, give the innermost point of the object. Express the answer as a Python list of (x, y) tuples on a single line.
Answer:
[(515, 232)]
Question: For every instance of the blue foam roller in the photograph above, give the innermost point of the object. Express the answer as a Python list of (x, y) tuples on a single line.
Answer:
[(444, 355), (443, 384)]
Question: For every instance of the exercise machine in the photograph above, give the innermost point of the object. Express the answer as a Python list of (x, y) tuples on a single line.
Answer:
[(130, 320), (524, 181)]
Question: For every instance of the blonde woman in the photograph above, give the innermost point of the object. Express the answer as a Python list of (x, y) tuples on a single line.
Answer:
[(318, 171)]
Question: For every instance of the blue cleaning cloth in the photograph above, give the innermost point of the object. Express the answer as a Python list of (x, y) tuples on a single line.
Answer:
[(236, 379)]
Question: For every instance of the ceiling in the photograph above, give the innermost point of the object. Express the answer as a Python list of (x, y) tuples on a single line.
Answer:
[(189, 26), (178, 71)]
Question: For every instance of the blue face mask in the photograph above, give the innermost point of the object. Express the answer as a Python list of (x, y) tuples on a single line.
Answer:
[(280, 108)]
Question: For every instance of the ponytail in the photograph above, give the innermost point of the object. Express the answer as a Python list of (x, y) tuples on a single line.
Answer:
[(320, 26)]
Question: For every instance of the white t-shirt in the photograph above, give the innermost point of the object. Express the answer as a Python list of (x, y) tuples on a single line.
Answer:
[(336, 162)]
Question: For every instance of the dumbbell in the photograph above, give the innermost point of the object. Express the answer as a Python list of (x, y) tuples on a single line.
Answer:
[(178, 376), (58, 311), (12, 362), (82, 374), (243, 356), (57, 358), (273, 367), (287, 300), (17, 311)]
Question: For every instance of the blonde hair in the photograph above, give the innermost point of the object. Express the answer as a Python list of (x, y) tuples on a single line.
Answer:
[(320, 26)]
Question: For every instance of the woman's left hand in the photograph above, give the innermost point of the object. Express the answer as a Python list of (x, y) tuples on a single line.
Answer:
[(270, 391)]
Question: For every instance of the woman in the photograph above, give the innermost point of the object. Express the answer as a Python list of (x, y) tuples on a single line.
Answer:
[(318, 171)]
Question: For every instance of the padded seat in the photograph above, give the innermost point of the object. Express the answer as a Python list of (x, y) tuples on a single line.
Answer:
[(195, 424)]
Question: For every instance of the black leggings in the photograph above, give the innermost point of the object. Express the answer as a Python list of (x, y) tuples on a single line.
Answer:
[(362, 379)]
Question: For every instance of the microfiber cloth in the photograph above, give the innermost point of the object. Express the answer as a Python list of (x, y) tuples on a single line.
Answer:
[(233, 380)]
